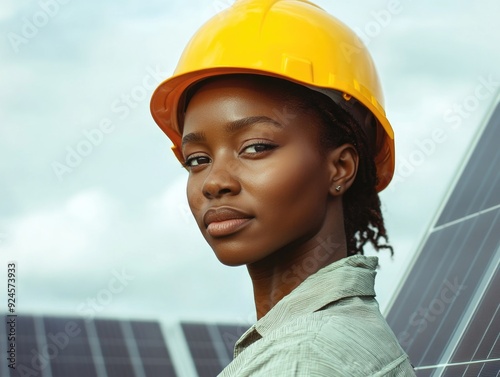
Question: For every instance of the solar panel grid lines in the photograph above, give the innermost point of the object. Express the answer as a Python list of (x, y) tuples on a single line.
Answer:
[(483, 191), (64, 346), (458, 178), (45, 368), (152, 348), (480, 347), (26, 344), (475, 304), (202, 349), (468, 217), (230, 335), (478, 368), (444, 284), (489, 118), (115, 354), (442, 317), (178, 346), (470, 273), (219, 346), (96, 349), (211, 345), (51, 348), (446, 311), (483, 330)]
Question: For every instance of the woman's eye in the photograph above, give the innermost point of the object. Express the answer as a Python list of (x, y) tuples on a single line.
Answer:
[(258, 148), (196, 161)]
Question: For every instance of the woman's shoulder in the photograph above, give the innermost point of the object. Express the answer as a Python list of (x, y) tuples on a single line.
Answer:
[(348, 336), (321, 344)]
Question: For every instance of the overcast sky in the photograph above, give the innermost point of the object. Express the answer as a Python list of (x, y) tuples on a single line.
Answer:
[(92, 203)]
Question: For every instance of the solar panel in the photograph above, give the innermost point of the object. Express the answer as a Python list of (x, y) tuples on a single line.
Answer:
[(114, 350), (446, 314), (229, 335), (152, 349), (202, 349), (25, 342), (480, 340), (63, 347), (479, 184), (211, 346)]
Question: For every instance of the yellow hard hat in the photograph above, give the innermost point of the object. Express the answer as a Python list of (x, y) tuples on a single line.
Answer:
[(290, 39)]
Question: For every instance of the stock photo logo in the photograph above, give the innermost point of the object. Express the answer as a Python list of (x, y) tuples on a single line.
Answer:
[(121, 108)]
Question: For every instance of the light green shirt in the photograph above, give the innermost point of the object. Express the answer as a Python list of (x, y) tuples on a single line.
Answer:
[(330, 325)]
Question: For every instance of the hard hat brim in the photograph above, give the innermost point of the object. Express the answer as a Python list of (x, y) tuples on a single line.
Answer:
[(167, 98)]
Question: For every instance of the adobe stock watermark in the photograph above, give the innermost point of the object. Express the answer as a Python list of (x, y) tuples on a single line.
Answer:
[(421, 318), (56, 343), (121, 108), (453, 117), (316, 259), (484, 90), (31, 26), (105, 296), (298, 272)]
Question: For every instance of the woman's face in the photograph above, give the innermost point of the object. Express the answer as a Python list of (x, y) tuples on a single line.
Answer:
[(257, 183)]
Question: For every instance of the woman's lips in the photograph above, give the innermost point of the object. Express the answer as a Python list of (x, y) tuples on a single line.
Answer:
[(226, 227), (224, 221)]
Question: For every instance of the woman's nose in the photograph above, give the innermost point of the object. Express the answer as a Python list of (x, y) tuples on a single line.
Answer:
[(220, 181)]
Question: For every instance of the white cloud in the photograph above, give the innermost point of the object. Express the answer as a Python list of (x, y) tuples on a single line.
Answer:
[(46, 239)]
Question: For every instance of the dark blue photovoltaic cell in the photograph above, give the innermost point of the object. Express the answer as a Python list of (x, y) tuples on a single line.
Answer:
[(68, 348), (489, 369), (229, 335), (479, 185), (202, 349), (152, 348), (196, 332), (424, 372), (108, 330), (160, 370), (114, 349), (147, 330), (119, 370), (441, 285), (481, 338), (66, 368), (153, 351)]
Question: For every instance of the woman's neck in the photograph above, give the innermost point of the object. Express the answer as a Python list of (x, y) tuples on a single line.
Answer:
[(279, 274)]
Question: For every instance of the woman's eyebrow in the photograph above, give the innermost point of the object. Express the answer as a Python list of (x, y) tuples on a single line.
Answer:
[(193, 137), (237, 125), (232, 127)]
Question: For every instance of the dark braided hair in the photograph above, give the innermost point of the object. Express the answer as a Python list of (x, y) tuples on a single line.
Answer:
[(363, 220)]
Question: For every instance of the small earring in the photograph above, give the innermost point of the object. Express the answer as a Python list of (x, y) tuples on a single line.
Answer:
[(338, 188)]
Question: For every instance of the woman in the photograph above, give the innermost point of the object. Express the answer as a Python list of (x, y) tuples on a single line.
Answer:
[(275, 110)]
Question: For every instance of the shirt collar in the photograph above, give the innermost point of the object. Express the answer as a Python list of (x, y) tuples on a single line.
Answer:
[(348, 277)]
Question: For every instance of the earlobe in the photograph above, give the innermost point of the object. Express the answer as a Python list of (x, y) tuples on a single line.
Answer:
[(343, 163)]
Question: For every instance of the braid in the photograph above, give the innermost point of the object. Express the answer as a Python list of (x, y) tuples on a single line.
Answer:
[(363, 220)]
